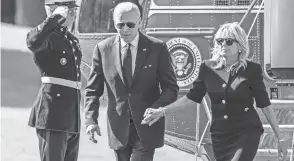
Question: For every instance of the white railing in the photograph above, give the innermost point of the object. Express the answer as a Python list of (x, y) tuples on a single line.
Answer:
[(201, 154)]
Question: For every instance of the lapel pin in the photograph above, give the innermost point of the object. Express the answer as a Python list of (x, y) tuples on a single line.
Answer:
[(144, 49), (150, 65)]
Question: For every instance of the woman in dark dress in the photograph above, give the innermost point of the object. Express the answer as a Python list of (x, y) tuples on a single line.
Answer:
[(232, 83)]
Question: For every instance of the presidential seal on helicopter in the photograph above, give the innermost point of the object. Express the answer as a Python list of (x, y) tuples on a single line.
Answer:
[(186, 60)]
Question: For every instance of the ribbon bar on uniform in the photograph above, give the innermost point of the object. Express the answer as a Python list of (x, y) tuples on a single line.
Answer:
[(63, 82)]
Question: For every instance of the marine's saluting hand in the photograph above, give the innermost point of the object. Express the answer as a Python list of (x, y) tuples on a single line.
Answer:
[(61, 10)]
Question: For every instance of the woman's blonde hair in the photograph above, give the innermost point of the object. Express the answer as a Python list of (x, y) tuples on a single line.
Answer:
[(234, 31)]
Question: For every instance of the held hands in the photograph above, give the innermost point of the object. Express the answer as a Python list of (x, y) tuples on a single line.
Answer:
[(61, 10), (152, 115), (91, 129), (282, 150)]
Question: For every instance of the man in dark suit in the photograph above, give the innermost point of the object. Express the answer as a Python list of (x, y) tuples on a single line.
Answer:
[(138, 74), (55, 113)]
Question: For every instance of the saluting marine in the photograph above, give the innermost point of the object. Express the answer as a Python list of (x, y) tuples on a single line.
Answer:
[(56, 112)]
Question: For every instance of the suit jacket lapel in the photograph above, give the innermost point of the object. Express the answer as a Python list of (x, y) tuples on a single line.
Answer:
[(116, 52), (142, 52)]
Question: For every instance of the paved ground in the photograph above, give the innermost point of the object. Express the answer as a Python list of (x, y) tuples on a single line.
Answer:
[(19, 86), (19, 142)]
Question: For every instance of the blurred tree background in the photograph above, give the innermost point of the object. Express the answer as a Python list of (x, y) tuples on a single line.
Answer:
[(22, 12)]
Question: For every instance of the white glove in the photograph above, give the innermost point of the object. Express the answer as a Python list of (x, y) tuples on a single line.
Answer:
[(61, 10)]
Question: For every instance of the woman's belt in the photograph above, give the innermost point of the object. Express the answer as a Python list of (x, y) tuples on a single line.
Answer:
[(63, 82)]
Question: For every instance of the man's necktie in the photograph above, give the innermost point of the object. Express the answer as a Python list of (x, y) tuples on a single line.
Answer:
[(127, 66)]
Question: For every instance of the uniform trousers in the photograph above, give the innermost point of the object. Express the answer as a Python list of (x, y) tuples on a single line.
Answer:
[(58, 145), (134, 151)]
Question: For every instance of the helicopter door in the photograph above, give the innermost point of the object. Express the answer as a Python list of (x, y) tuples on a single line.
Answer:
[(279, 48)]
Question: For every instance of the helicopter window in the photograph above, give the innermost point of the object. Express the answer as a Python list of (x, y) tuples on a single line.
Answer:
[(95, 16), (243, 2), (222, 2)]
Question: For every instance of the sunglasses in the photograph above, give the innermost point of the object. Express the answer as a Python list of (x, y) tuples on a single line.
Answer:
[(229, 41), (128, 24)]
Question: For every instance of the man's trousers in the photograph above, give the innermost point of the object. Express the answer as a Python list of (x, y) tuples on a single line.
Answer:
[(134, 151), (58, 145)]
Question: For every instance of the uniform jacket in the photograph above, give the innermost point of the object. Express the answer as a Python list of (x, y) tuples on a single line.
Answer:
[(56, 53), (232, 97), (153, 73)]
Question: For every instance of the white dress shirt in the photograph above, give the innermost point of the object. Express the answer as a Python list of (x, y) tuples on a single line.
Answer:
[(134, 48)]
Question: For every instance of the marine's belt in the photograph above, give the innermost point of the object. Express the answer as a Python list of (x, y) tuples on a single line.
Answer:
[(63, 82)]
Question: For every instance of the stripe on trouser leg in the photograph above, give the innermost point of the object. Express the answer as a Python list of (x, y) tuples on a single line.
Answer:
[(47, 145)]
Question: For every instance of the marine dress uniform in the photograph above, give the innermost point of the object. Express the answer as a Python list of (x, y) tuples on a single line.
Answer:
[(236, 127), (56, 113)]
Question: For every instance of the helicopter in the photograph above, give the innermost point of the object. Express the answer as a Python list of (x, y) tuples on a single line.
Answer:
[(188, 27)]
